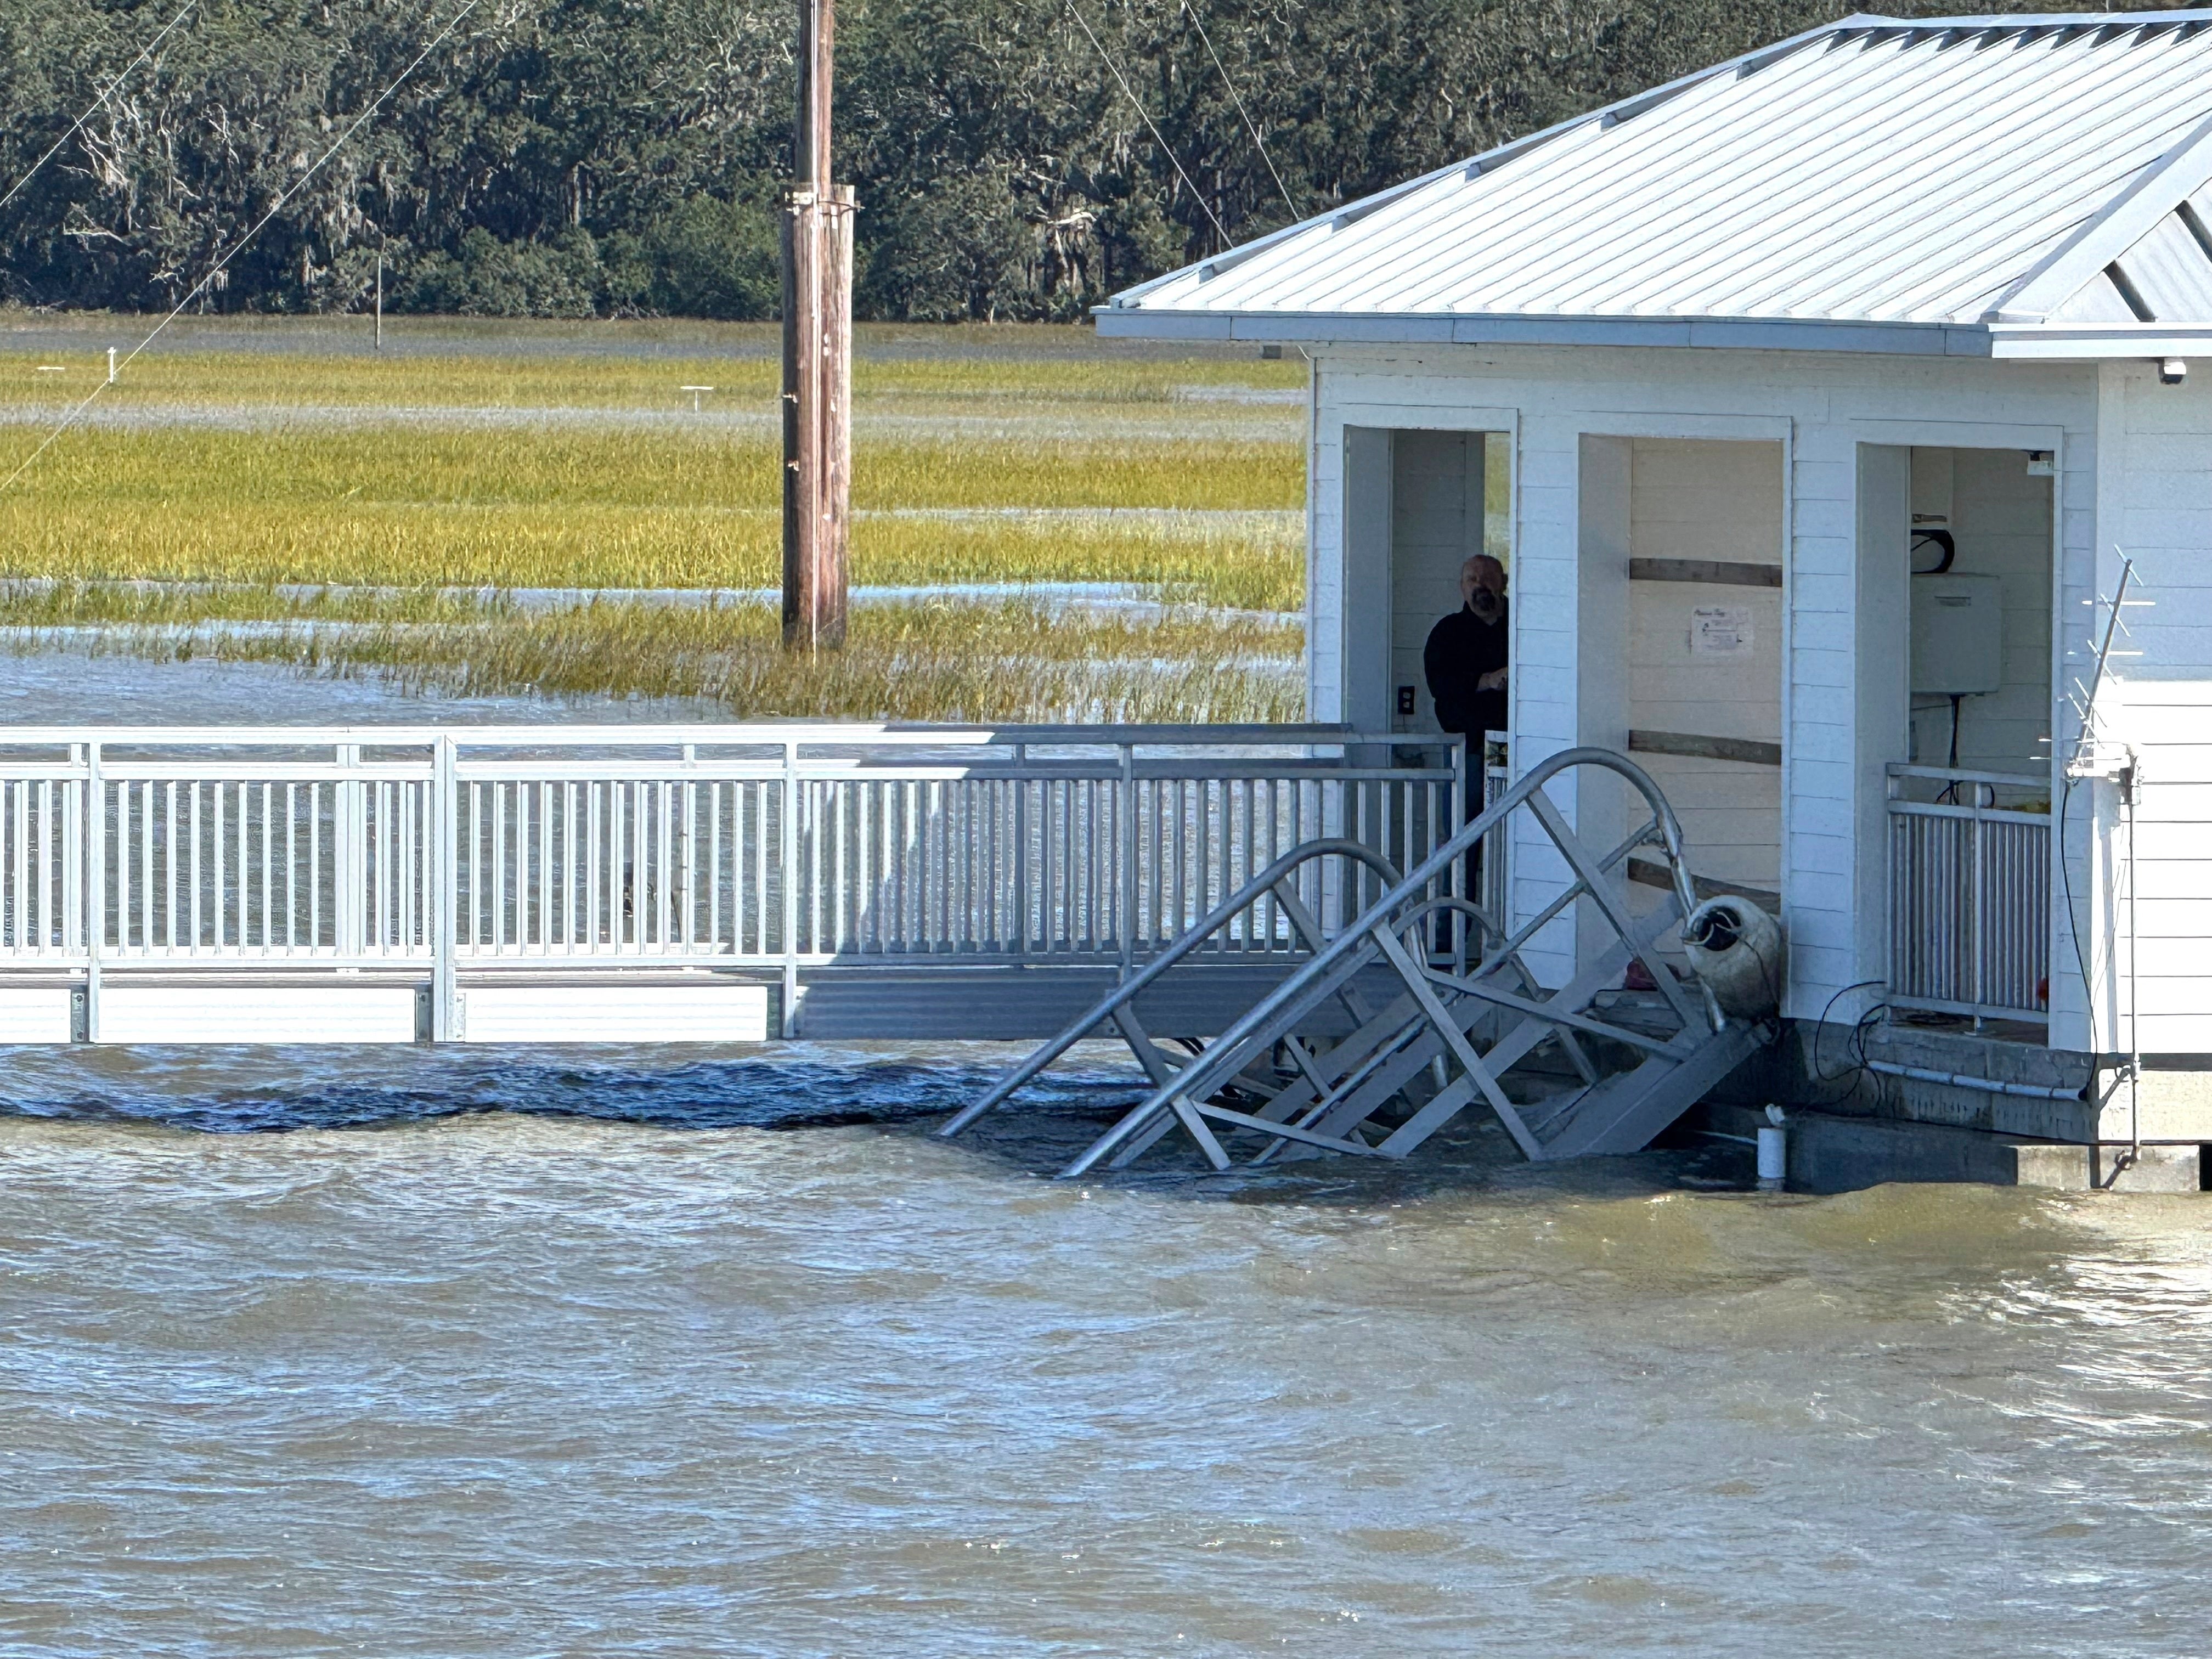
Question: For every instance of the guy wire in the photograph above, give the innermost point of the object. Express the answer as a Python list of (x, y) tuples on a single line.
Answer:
[(1258, 143), (1174, 160), (104, 94)]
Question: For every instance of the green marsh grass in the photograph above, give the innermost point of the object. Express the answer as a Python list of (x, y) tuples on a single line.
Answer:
[(583, 503), (982, 457), (1011, 367), (931, 660)]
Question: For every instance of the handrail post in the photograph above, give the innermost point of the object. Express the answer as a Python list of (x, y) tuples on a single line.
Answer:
[(682, 885), (445, 990), (1456, 881), (1021, 850), (788, 852), (1128, 839), (1893, 878), (1980, 876), (95, 887), (346, 897)]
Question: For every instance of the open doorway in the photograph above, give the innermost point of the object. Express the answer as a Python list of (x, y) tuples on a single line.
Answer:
[(1705, 647), (1979, 611), (1449, 500), (1678, 644), (1954, 851)]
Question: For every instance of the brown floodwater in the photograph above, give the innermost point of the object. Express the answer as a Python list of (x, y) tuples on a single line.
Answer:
[(606, 1352), (611, 1352)]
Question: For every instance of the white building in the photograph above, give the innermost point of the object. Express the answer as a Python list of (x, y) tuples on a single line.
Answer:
[(1706, 367)]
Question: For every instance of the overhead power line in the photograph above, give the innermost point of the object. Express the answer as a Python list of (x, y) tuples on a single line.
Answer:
[(232, 251), (106, 93), (1250, 126), (1158, 138)]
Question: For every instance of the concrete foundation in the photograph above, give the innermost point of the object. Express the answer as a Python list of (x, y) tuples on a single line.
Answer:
[(1831, 1153), (1994, 1105)]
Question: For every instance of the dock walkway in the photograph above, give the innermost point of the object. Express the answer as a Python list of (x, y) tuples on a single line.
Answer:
[(646, 883)]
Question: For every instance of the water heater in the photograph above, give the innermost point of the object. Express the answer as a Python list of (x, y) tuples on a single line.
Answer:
[(1957, 635)]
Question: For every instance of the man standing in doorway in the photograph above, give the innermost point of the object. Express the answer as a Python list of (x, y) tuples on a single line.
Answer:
[(1465, 659)]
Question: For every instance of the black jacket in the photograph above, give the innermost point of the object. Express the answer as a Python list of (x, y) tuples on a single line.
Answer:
[(1461, 648)]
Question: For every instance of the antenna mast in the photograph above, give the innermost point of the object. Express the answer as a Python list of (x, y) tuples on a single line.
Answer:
[(817, 357)]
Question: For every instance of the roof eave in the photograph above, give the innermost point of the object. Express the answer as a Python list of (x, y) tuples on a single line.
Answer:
[(2099, 342), (1753, 333)]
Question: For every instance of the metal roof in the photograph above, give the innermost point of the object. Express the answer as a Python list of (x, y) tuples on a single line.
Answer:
[(2026, 186)]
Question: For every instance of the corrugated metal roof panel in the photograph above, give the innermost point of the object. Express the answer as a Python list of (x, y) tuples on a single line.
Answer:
[(2169, 270), (1873, 171), (2099, 302)]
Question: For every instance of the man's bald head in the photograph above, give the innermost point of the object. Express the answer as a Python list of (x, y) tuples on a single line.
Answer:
[(1482, 575)]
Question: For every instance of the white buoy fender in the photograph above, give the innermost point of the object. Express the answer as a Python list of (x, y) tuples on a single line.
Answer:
[(1735, 948)]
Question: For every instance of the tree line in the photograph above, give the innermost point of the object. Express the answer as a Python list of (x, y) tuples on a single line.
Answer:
[(574, 158)]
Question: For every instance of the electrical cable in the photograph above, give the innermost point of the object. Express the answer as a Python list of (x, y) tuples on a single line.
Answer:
[(233, 251), (1128, 92), (1258, 143), (1822, 1024), (2084, 739), (104, 94), (1946, 544), (1950, 791)]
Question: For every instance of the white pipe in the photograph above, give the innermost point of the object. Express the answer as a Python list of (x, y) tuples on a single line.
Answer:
[(1773, 1156), (1962, 1080)]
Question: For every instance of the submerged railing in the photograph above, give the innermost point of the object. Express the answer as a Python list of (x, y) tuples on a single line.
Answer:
[(1969, 892), (773, 849)]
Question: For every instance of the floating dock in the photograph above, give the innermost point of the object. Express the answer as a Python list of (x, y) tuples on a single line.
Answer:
[(664, 883)]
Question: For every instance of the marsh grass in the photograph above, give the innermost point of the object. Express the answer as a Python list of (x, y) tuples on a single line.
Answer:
[(420, 504), (173, 378), (931, 660), (1240, 563), (221, 477)]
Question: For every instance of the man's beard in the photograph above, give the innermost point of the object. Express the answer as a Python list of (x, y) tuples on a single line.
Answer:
[(1486, 605)]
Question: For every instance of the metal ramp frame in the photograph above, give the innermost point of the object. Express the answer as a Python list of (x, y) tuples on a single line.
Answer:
[(1450, 1032)]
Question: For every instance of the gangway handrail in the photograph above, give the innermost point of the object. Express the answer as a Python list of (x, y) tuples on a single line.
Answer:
[(1125, 994), (1214, 1068)]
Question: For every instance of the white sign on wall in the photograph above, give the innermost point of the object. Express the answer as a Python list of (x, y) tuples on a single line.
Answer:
[(1720, 630)]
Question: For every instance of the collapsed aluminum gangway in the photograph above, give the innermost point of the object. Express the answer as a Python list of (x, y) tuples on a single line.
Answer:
[(1443, 1005)]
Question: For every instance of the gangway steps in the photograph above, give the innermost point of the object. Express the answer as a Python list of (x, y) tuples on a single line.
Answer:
[(1620, 1113), (1449, 1030)]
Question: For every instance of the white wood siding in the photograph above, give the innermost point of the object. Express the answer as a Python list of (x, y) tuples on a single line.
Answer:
[(2159, 469)]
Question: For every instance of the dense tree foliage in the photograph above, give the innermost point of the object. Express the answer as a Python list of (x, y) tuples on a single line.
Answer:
[(582, 157)]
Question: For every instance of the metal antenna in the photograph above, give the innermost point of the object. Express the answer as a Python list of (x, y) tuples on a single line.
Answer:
[(2084, 763)]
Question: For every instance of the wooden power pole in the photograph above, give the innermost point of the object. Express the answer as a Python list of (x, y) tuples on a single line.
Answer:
[(817, 358)]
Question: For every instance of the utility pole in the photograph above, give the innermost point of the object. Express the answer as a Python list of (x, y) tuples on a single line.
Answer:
[(380, 299), (817, 358)]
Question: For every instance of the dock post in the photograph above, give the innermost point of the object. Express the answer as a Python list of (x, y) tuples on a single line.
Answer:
[(445, 990)]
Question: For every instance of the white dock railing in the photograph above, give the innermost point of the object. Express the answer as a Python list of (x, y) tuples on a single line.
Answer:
[(765, 849), (1969, 892)]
